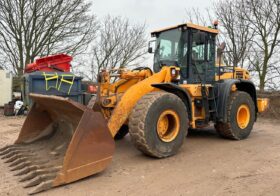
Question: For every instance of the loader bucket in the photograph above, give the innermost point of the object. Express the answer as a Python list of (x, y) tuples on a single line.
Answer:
[(61, 141)]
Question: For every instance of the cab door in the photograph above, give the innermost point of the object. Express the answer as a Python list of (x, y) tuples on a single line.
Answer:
[(202, 55)]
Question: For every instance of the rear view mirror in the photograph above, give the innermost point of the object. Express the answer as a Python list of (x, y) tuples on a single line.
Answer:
[(151, 46)]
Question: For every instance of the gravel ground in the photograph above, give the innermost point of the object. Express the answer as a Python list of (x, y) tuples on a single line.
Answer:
[(205, 165)]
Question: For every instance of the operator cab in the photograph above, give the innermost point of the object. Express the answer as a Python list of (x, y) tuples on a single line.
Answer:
[(188, 46)]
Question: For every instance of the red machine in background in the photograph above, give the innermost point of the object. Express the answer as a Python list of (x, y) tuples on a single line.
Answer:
[(51, 75), (92, 88), (55, 63)]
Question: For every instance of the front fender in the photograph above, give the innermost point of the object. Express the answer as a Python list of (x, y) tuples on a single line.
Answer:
[(180, 92)]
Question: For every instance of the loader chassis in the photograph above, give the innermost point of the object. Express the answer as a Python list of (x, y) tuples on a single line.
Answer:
[(190, 54), (62, 141)]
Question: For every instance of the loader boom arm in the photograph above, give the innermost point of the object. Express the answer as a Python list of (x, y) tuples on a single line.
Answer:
[(132, 95)]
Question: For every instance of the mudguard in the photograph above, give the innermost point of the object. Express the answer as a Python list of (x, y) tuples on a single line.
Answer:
[(223, 89)]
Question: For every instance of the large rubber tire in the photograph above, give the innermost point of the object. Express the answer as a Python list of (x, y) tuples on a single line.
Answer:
[(143, 124), (230, 129)]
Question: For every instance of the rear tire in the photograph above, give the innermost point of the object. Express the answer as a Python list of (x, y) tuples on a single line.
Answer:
[(158, 124), (240, 117)]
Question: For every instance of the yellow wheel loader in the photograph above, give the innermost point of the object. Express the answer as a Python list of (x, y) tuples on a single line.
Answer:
[(62, 141)]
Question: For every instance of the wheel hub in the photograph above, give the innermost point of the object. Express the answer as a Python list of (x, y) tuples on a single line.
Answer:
[(243, 116), (168, 126)]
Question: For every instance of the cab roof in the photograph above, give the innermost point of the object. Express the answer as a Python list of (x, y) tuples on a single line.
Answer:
[(188, 25)]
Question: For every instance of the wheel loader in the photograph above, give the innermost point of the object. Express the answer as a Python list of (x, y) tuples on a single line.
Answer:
[(62, 141)]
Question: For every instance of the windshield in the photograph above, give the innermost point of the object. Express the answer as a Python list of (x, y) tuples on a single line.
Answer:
[(171, 48)]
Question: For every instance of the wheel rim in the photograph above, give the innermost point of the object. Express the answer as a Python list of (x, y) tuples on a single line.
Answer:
[(243, 116), (168, 126)]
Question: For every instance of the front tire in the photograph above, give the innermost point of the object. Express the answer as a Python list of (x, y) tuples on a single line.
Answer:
[(158, 124), (240, 117)]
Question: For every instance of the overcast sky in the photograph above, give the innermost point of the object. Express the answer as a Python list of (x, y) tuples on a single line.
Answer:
[(156, 13)]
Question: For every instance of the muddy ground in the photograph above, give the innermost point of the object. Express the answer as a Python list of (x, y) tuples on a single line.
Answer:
[(205, 165)]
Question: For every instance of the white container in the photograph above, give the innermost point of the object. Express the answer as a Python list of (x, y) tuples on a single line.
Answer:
[(6, 79)]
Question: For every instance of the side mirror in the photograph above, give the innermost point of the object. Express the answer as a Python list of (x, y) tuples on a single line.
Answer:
[(151, 46)]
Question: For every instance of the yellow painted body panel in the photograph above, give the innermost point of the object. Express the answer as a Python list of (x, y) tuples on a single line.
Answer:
[(128, 100), (263, 104), (194, 91), (239, 73), (119, 98)]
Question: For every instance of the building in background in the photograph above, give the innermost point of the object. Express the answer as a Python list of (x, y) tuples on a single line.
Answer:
[(5, 87)]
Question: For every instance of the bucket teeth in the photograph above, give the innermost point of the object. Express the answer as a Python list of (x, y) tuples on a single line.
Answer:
[(32, 175), (18, 161), (16, 157), (27, 164), (42, 187), (21, 166), (4, 148), (14, 152), (8, 149), (39, 179), (26, 170), (38, 172), (13, 158)]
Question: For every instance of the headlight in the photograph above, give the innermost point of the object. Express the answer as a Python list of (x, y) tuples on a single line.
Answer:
[(175, 74)]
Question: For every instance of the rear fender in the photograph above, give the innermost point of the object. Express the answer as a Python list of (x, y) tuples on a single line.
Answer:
[(223, 91)]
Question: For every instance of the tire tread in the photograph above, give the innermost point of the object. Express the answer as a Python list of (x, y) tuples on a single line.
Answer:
[(225, 130), (137, 123)]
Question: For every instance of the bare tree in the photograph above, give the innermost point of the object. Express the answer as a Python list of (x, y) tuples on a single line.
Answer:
[(232, 26), (273, 78), (119, 43), (198, 16), (264, 17), (32, 28), (251, 30), (235, 30), (229, 17)]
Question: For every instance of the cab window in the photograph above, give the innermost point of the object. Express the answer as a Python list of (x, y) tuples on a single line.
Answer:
[(165, 49)]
